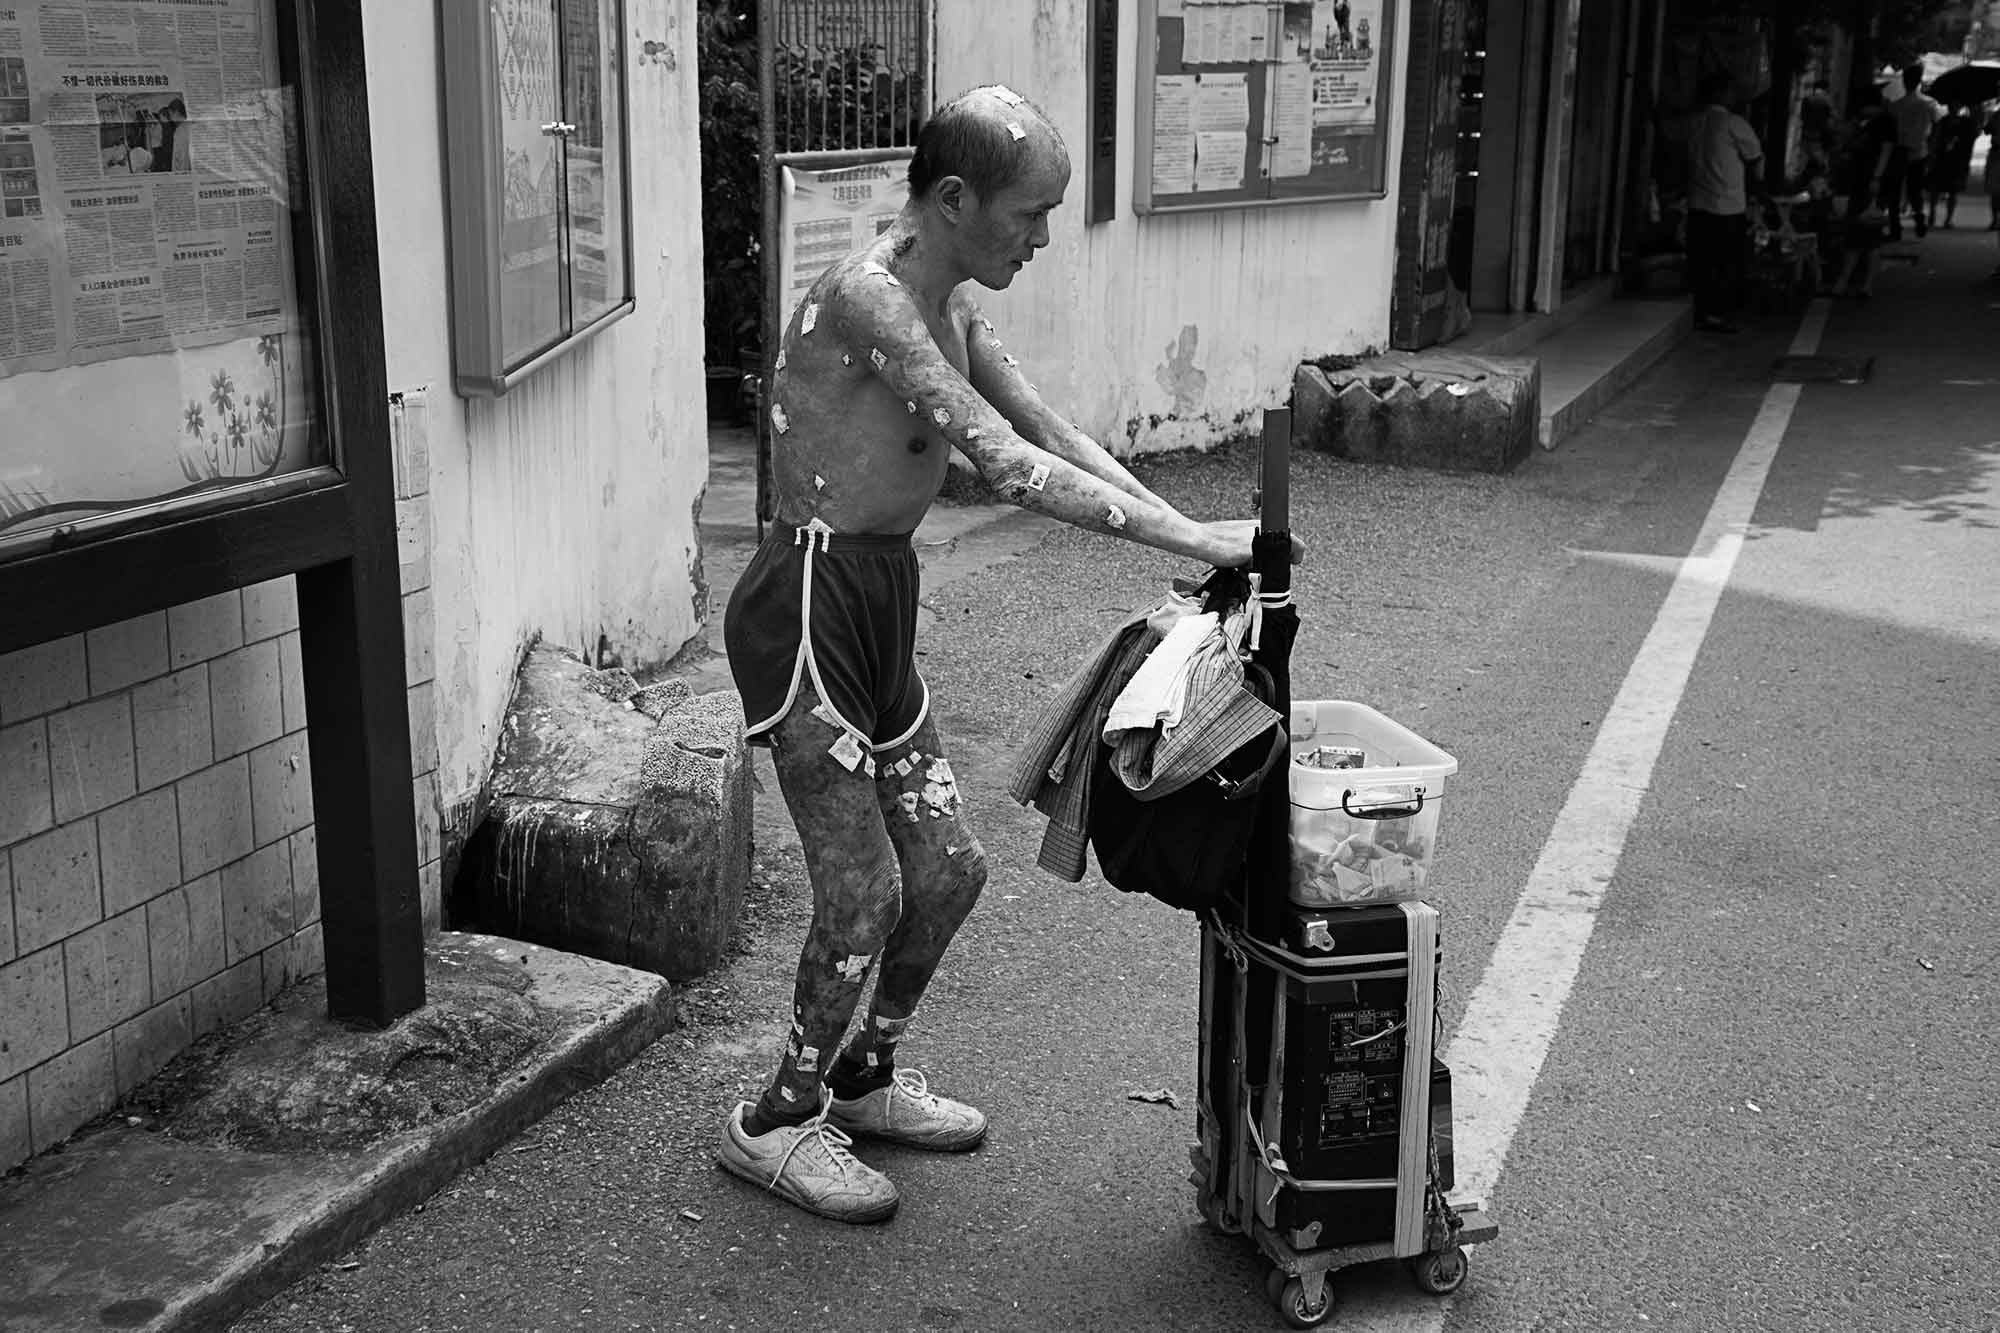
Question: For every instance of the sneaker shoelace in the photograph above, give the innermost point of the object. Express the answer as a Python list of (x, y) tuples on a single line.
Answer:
[(915, 1088), (833, 1142)]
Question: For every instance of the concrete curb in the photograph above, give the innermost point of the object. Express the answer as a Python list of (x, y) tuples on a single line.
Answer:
[(1561, 420), (135, 1200)]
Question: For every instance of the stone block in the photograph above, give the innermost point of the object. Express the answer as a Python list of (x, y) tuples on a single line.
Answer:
[(6, 909), (170, 723), (423, 729), (215, 816), (139, 850), (184, 936), (305, 876), (1435, 409), (257, 901), (270, 608), (292, 681), (42, 678), (246, 698), (108, 974), (34, 1011), (16, 1144), (91, 757), (419, 654), (56, 886), (75, 1087), (229, 997), (142, 1046), (610, 833), (280, 788), (128, 652), (200, 630), (25, 809)]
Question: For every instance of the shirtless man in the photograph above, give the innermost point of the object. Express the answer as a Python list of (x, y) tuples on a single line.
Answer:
[(886, 365)]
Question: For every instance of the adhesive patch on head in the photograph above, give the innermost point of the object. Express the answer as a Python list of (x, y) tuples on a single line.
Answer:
[(875, 355), (941, 416), (779, 421), (810, 318), (1039, 477), (1014, 128), (1115, 517), (1007, 95)]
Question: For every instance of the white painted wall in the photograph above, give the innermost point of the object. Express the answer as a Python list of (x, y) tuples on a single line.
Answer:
[(565, 508), (1196, 319)]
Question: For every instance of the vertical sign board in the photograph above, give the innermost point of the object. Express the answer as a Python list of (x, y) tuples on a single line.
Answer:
[(826, 213), (1248, 102), (1422, 287), (1100, 191)]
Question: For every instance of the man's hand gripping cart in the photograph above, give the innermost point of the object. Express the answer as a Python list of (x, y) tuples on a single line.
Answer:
[(1324, 1122)]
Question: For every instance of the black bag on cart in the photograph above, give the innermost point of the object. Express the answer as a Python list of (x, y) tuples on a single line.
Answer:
[(1190, 847)]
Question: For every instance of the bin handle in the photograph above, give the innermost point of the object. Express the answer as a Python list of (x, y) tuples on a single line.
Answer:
[(1382, 811)]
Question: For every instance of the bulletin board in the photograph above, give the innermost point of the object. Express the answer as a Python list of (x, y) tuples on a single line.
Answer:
[(1249, 102)]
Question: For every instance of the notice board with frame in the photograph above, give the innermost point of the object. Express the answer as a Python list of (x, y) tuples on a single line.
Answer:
[(1244, 103)]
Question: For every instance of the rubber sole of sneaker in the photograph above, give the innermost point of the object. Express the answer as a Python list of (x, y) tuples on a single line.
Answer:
[(859, 1217), (902, 1141)]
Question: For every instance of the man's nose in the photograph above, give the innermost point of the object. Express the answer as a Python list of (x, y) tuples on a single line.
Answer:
[(1039, 237)]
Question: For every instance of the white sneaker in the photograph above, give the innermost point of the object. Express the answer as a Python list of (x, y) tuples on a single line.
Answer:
[(808, 1165), (906, 1111)]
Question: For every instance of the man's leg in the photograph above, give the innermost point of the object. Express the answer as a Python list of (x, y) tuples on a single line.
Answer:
[(856, 900), (1701, 263), (943, 869), (1913, 184), (1890, 196)]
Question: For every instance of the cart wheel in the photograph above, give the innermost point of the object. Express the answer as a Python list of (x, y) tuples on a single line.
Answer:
[(1294, 1310), (1441, 1272)]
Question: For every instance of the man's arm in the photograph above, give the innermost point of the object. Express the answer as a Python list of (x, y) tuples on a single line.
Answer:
[(878, 324), (996, 376)]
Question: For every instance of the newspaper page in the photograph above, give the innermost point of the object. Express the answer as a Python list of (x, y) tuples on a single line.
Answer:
[(146, 160)]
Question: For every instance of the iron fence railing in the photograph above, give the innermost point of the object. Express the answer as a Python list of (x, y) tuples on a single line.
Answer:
[(849, 74)]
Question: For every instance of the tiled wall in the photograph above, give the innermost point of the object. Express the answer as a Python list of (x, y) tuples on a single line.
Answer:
[(158, 874)]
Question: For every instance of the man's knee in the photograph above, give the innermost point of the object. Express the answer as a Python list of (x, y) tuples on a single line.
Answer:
[(856, 922), (967, 873)]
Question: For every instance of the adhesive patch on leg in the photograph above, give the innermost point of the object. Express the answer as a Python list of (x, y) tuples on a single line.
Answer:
[(909, 801), (846, 752), (788, 1094), (1038, 478), (855, 968), (808, 320), (809, 1058)]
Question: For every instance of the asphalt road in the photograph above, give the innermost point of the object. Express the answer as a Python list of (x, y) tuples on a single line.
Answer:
[(1767, 1104)]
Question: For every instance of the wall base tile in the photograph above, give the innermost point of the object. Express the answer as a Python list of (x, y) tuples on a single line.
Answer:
[(109, 976), (16, 1143), (143, 1046), (305, 877), (57, 891), (42, 678), (139, 850), (34, 1011), (228, 998), (293, 960), (70, 1090)]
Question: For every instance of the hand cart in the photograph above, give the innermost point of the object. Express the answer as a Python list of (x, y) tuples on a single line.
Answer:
[(1324, 1116)]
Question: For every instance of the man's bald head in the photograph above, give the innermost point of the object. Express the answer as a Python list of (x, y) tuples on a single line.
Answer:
[(987, 137)]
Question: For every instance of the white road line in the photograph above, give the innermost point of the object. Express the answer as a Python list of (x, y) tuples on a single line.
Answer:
[(1511, 1019)]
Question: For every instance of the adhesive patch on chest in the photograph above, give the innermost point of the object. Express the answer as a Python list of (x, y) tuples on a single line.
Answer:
[(810, 318)]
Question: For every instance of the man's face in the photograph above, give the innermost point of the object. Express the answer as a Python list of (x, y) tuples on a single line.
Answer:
[(1002, 233)]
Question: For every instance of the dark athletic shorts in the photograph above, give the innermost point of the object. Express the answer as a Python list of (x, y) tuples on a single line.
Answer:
[(860, 593)]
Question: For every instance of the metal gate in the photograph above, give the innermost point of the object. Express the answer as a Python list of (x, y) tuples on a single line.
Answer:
[(844, 82)]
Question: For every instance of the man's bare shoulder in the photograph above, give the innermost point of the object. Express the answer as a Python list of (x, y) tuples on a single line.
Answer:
[(860, 294)]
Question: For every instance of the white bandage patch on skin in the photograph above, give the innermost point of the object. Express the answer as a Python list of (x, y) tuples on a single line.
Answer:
[(890, 1029), (941, 416), (873, 267), (1115, 517), (846, 359), (973, 432), (846, 752), (855, 968), (875, 355), (779, 364), (810, 318), (779, 421), (912, 406), (908, 800), (1007, 95), (809, 1057), (1014, 128), (1039, 477), (819, 482), (788, 1094), (988, 323), (1010, 360)]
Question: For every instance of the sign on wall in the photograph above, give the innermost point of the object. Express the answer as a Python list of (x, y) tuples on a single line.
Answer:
[(825, 214), (151, 344), (1262, 101)]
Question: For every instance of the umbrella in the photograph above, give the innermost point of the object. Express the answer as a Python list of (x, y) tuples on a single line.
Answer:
[(1968, 85)]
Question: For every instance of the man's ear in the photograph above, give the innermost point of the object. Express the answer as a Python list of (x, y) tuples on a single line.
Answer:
[(954, 197)]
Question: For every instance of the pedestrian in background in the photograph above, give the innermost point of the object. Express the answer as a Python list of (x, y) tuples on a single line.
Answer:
[(1951, 161), (1870, 144), (1722, 151), (1914, 115)]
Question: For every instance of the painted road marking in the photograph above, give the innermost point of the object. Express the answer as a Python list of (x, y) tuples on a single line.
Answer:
[(1510, 1022)]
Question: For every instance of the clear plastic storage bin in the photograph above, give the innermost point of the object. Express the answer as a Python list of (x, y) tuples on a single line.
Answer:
[(1366, 794)]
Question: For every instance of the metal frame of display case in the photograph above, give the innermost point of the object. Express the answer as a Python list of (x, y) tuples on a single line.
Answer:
[(334, 527)]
